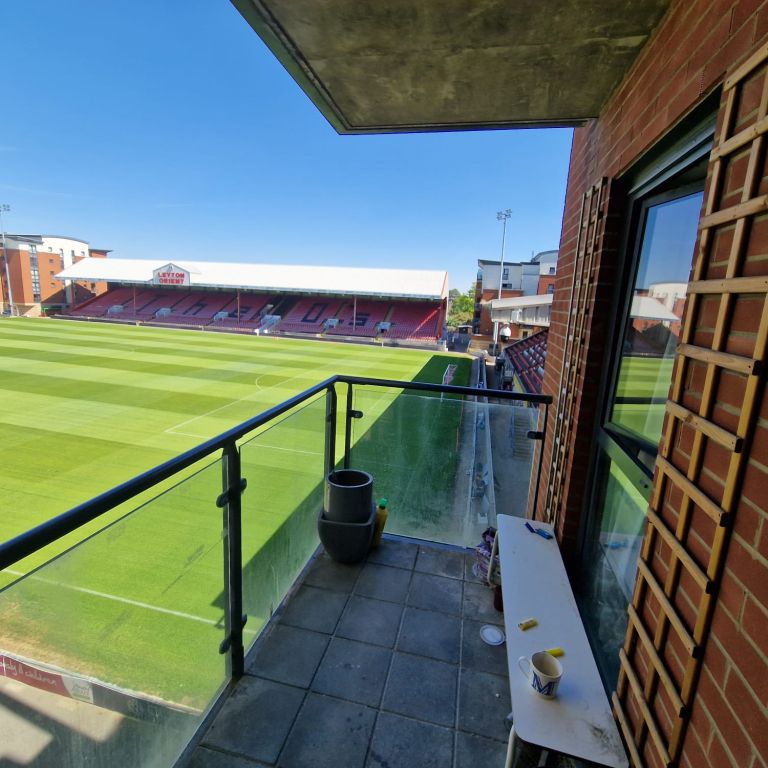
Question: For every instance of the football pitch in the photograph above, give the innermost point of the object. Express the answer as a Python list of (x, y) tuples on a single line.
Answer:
[(86, 406)]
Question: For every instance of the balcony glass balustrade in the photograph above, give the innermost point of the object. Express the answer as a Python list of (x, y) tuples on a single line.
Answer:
[(115, 651)]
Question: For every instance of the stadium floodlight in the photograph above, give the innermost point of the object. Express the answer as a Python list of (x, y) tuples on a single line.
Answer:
[(5, 208), (501, 216)]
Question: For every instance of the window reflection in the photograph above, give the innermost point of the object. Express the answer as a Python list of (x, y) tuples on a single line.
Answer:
[(612, 555), (655, 314), (654, 307)]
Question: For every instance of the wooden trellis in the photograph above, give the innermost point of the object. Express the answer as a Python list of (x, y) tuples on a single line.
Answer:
[(648, 671), (591, 224)]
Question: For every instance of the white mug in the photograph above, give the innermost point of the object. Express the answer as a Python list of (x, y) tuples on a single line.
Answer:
[(543, 672)]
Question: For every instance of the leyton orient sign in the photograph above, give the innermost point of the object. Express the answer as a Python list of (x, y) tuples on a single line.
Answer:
[(170, 274)]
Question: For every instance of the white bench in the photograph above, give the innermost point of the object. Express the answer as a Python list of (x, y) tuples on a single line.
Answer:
[(579, 722)]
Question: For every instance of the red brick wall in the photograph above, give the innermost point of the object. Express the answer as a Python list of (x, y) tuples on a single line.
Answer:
[(49, 264), (544, 282), (686, 58), (21, 279)]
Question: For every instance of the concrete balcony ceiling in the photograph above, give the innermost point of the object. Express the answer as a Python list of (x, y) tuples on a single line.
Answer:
[(425, 65)]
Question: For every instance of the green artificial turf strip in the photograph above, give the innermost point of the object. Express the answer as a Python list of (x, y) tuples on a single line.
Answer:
[(87, 406)]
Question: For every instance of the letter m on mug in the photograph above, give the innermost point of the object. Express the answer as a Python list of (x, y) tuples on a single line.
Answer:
[(545, 689)]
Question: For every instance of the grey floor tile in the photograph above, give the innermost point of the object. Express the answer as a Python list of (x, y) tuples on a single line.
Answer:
[(353, 671), (383, 583), (478, 604), (440, 562), (402, 743), (469, 569), (484, 704), (370, 621), (289, 655), (329, 733), (477, 655), (255, 719), (211, 758), (328, 574), (401, 554), (473, 751), (432, 634), (421, 688), (313, 608), (435, 593)]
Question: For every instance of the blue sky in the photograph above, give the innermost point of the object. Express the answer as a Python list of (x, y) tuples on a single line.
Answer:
[(166, 128)]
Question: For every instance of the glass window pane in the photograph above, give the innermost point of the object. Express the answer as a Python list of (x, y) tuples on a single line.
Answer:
[(655, 314), (610, 564)]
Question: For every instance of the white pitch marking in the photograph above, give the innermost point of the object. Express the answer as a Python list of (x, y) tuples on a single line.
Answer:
[(172, 431), (222, 407), (107, 596), (291, 450), (203, 415)]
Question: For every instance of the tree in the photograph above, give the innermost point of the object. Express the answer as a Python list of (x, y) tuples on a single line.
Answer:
[(461, 308)]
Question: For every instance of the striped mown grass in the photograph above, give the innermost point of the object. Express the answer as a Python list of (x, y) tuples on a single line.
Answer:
[(86, 406)]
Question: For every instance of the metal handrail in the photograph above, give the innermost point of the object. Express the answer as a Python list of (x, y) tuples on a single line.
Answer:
[(499, 394), (46, 533), (233, 485), (50, 531)]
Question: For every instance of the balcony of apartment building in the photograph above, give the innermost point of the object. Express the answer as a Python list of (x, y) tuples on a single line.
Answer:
[(650, 87), (191, 617), (529, 311)]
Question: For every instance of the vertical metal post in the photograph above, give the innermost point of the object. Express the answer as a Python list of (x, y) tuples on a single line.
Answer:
[(348, 427), (501, 216), (5, 208), (541, 455), (330, 430), (233, 484)]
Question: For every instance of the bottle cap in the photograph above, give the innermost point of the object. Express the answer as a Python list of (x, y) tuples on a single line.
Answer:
[(383, 503)]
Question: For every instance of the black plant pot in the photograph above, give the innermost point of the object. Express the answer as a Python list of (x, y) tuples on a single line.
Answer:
[(347, 542), (348, 496)]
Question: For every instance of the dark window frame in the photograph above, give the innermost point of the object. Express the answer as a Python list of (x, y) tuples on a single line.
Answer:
[(639, 206)]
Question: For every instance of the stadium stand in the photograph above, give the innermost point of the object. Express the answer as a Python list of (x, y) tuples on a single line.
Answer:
[(334, 316), (152, 302), (100, 305), (384, 304), (309, 314), (361, 319), (528, 357), (252, 310), (414, 320), (200, 307)]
